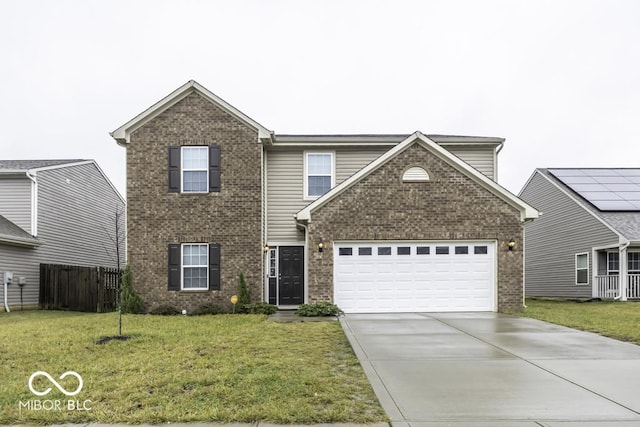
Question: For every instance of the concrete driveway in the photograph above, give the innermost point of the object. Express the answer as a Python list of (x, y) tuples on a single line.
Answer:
[(487, 369)]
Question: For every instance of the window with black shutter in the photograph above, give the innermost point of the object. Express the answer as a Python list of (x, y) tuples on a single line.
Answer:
[(174, 267), (194, 169), (214, 168), (174, 169), (192, 265), (214, 267)]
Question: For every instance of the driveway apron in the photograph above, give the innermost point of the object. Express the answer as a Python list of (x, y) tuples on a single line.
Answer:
[(488, 369)]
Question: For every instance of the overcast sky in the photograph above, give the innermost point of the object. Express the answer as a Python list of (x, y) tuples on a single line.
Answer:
[(560, 80)]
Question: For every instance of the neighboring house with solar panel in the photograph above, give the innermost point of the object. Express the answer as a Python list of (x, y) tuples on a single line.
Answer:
[(54, 212), (586, 243)]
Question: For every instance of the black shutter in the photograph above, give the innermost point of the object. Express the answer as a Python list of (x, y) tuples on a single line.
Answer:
[(214, 168), (174, 169), (174, 267), (214, 267)]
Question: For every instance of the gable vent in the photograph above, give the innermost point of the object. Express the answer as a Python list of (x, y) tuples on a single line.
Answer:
[(415, 174)]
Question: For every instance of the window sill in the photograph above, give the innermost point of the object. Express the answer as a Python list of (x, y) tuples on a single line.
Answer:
[(194, 291)]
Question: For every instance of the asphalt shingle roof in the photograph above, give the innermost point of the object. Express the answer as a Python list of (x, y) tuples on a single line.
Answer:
[(9, 230), (33, 164)]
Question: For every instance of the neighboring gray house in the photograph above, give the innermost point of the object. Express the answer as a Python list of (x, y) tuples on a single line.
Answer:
[(374, 223), (55, 212), (586, 244)]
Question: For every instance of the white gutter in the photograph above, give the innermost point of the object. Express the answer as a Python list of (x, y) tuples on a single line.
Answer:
[(6, 295)]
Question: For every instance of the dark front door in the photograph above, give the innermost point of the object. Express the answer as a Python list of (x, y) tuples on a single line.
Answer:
[(291, 275)]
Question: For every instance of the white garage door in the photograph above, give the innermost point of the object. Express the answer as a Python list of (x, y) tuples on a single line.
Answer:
[(384, 277)]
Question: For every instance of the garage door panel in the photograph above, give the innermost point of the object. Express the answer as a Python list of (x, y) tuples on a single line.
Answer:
[(416, 276)]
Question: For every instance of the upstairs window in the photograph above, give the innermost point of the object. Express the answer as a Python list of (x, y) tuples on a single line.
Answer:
[(194, 169), (319, 174)]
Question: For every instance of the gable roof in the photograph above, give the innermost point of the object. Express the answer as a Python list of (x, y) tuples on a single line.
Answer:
[(11, 234), (24, 168), (626, 224), (526, 211), (123, 134)]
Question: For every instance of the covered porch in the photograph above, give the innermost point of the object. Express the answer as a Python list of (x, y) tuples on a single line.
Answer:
[(617, 273)]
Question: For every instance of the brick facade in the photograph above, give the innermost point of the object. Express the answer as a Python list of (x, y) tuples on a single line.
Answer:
[(157, 218), (450, 206)]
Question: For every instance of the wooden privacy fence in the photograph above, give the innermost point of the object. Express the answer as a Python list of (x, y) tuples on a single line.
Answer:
[(76, 288)]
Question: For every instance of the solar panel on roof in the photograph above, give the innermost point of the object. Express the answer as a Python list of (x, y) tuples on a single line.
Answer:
[(606, 189)]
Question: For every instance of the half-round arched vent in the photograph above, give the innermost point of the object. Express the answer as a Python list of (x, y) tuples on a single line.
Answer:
[(415, 174)]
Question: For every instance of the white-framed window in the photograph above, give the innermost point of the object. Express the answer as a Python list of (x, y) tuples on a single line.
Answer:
[(195, 169), (634, 262), (195, 266), (582, 269), (613, 263), (319, 174), (273, 272)]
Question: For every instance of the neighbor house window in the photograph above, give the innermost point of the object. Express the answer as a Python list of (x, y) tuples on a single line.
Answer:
[(195, 169), (613, 263), (319, 174), (634, 262), (582, 269), (195, 266)]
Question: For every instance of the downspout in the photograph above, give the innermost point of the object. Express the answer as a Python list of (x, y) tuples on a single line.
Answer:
[(6, 296), (524, 270), (34, 205), (306, 262), (622, 292)]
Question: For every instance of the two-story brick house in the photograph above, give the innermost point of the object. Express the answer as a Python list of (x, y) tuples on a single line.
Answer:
[(374, 223)]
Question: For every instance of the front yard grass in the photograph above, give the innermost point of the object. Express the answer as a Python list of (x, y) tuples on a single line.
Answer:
[(617, 320), (225, 368)]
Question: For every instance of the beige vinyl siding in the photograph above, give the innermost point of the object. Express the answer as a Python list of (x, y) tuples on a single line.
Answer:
[(15, 201), (284, 194), (481, 158), (285, 180), (552, 241), (350, 161)]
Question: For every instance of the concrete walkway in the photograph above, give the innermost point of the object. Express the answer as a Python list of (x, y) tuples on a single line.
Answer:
[(487, 369)]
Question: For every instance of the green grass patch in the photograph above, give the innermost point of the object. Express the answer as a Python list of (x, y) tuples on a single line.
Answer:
[(617, 320), (225, 368)]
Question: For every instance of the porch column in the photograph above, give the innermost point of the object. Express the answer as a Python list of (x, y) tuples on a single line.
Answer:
[(624, 276), (595, 267)]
